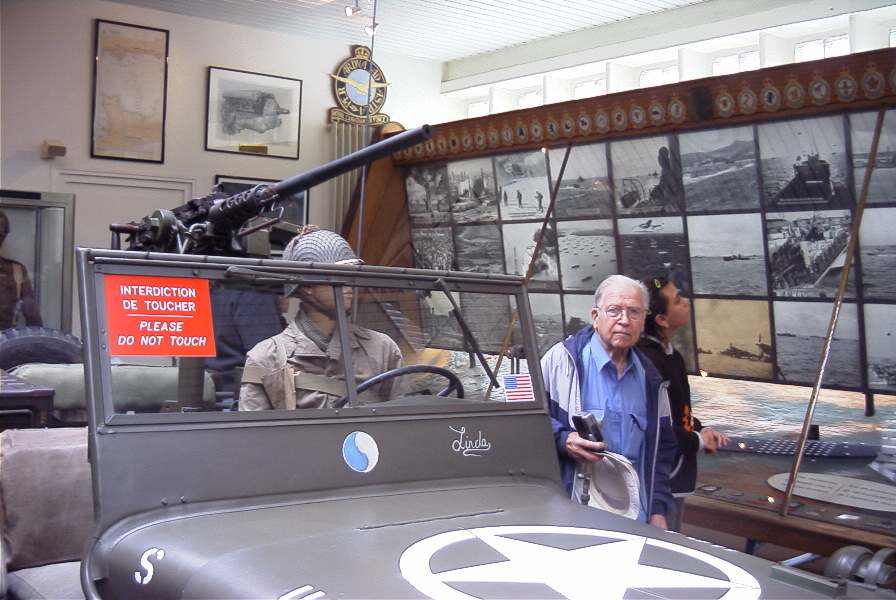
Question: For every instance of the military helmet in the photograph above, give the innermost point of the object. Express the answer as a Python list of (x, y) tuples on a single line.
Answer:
[(316, 245)]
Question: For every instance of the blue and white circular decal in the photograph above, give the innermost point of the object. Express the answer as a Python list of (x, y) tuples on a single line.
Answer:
[(360, 452)]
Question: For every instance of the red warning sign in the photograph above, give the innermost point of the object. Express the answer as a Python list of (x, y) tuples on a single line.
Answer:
[(159, 316)]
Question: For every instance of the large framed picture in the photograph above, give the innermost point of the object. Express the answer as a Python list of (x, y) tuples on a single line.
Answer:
[(129, 89), (295, 206), (253, 113)]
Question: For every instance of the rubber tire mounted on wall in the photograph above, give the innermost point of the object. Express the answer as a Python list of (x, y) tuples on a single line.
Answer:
[(24, 345)]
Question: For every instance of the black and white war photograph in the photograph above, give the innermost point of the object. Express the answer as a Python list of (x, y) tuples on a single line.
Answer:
[(471, 189), (577, 308), (584, 191), (804, 164), (488, 316), (807, 251), (478, 249), (727, 254), (800, 329), (587, 253), (683, 341), (880, 333), (646, 177), (651, 246), (522, 185), (733, 337), (877, 239), (433, 248), (883, 178), (427, 189), (548, 319), (519, 248), (718, 169)]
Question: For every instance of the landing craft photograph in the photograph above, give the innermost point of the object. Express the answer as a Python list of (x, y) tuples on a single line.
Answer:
[(587, 253), (584, 191), (718, 169), (883, 178), (733, 337), (547, 314), (577, 308), (727, 254), (646, 177), (800, 329), (427, 190), (433, 248), (519, 247), (479, 248), (804, 164), (877, 240), (652, 246), (522, 185), (471, 191), (806, 252), (880, 344)]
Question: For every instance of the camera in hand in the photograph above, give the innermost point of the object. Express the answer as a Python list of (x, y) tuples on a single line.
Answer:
[(587, 426)]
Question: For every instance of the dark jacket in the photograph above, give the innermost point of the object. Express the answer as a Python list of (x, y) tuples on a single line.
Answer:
[(562, 370), (686, 427)]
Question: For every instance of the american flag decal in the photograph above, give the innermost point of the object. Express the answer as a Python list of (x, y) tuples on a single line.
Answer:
[(518, 388)]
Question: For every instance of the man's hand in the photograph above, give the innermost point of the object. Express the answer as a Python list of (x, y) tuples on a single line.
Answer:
[(712, 439), (658, 521), (579, 448)]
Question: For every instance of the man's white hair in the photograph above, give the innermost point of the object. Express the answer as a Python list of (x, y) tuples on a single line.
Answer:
[(615, 282)]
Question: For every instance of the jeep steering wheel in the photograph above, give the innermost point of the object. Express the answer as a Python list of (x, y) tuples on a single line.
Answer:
[(454, 383)]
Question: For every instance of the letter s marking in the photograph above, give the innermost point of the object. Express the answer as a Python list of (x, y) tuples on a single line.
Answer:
[(148, 566)]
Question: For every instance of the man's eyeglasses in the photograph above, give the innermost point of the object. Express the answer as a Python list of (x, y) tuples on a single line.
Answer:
[(616, 312)]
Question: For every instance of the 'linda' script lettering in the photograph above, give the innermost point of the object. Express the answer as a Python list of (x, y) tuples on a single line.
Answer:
[(467, 445)]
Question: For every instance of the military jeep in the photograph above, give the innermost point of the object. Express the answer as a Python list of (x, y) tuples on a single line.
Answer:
[(447, 487)]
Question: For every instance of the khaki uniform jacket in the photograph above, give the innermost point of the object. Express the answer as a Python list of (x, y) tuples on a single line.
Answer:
[(16, 295), (289, 371)]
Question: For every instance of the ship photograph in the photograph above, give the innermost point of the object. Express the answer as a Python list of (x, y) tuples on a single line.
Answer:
[(880, 344), (651, 246), (800, 329), (727, 254), (804, 164), (807, 251), (587, 253), (718, 169), (883, 178), (733, 337), (877, 241)]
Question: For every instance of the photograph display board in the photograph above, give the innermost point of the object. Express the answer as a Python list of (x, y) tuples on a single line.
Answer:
[(751, 221)]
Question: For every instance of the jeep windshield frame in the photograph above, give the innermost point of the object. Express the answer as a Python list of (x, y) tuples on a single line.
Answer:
[(94, 265)]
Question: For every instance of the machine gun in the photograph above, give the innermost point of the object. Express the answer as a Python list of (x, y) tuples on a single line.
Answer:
[(217, 224)]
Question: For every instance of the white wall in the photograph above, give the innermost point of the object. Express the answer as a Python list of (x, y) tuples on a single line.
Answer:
[(47, 67)]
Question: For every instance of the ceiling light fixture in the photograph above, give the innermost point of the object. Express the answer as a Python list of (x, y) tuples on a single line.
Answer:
[(371, 29), (351, 11)]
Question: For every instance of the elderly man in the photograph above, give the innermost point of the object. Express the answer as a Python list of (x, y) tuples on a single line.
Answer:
[(599, 370), (302, 366)]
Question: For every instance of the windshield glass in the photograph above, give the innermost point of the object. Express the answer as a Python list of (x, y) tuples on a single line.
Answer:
[(246, 344)]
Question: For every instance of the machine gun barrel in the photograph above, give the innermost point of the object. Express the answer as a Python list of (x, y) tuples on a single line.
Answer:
[(396, 143), (239, 206)]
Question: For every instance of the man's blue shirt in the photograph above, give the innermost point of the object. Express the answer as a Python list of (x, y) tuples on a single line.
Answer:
[(619, 404)]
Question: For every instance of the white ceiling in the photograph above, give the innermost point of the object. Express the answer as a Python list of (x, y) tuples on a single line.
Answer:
[(441, 30)]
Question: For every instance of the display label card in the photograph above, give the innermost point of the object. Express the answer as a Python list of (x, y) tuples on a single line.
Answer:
[(159, 316)]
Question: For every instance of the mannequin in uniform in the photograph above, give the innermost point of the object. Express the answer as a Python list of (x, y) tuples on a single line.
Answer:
[(302, 366), (16, 292)]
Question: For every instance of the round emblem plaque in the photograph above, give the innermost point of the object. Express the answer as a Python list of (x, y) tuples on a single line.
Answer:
[(359, 84), (657, 113), (677, 110)]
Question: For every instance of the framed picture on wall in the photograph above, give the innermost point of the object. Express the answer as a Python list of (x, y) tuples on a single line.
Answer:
[(129, 89), (253, 113), (295, 206)]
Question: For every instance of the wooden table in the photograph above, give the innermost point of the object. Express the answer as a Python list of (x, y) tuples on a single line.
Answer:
[(744, 504), (23, 404)]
